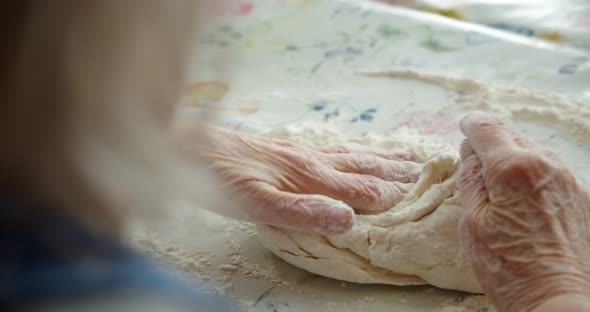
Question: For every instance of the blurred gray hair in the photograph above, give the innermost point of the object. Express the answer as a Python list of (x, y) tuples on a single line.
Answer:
[(89, 91)]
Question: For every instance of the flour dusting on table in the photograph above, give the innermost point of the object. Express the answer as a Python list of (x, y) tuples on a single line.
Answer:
[(545, 108)]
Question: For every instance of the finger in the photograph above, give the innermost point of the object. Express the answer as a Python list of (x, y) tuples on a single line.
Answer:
[(333, 149), (364, 193), (473, 193), (471, 181), (283, 143), (487, 135), (390, 155), (388, 170), (396, 155), (310, 213), (466, 150)]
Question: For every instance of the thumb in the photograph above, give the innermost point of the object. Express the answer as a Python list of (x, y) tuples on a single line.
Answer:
[(471, 180), (473, 193)]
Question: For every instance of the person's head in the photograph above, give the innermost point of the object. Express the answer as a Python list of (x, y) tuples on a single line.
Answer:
[(89, 90)]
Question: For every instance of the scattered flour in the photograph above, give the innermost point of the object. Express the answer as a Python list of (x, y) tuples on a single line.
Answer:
[(238, 262), (569, 115), (187, 265), (466, 304), (198, 266)]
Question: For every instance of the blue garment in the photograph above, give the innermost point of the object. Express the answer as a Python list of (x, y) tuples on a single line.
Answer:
[(45, 258)]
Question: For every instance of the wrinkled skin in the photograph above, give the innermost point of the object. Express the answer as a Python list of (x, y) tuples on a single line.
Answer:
[(306, 188), (526, 219)]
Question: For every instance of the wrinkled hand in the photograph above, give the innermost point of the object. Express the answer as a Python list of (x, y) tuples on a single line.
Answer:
[(309, 189), (526, 219)]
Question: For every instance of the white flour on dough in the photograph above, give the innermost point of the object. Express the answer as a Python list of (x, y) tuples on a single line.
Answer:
[(415, 242)]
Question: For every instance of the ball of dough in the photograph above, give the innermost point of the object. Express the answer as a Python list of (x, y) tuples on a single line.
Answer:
[(416, 242)]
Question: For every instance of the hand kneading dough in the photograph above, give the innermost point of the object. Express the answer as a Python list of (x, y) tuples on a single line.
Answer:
[(415, 242)]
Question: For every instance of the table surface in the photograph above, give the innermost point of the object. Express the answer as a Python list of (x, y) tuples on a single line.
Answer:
[(274, 63)]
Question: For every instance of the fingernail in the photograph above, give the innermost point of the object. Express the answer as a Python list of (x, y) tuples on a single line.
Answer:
[(340, 221), (479, 118)]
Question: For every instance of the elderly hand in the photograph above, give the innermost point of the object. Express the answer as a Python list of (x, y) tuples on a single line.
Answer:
[(526, 219), (307, 188)]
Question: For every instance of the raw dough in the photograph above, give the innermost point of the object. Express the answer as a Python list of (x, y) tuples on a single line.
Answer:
[(415, 242)]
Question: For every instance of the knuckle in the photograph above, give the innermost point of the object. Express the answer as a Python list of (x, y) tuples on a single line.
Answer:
[(384, 195), (342, 149), (519, 167), (517, 176), (372, 190), (300, 161), (404, 156), (374, 194), (367, 163)]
